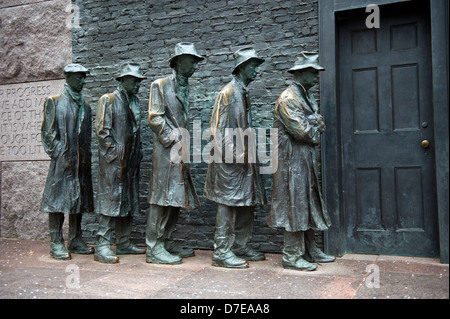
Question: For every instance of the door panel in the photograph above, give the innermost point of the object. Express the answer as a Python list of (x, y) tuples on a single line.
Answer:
[(386, 112)]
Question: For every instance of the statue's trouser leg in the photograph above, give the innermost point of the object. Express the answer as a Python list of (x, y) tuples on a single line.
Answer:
[(105, 227), (294, 246), (123, 230), (294, 249), (76, 243), (55, 223), (74, 227), (172, 218), (103, 252), (309, 240), (243, 228), (124, 226), (157, 221), (313, 253), (224, 235), (57, 247)]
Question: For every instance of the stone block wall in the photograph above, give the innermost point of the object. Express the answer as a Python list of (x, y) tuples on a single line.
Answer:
[(35, 45), (112, 32)]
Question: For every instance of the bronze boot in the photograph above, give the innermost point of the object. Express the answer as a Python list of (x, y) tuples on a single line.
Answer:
[(57, 248), (103, 252), (159, 255), (293, 250), (313, 253)]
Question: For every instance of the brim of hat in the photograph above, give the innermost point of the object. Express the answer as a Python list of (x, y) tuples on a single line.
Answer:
[(306, 66), (133, 75), (85, 72), (199, 57), (261, 61)]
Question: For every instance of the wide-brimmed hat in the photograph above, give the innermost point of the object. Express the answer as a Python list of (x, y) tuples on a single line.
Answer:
[(184, 48), (75, 68), (243, 55), (307, 60), (130, 69)]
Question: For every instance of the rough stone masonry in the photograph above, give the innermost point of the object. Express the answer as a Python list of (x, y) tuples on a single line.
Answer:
[(146, 32), (35, 44)]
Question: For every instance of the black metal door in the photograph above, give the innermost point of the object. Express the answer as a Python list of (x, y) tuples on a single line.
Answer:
[(386, 117)]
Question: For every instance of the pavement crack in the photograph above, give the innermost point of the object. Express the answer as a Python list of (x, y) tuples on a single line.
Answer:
[(363, 281)]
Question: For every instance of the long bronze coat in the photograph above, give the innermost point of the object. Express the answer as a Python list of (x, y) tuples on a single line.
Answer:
[(297, 203), (171, 183), (117, 127), (233, 184), (66, 136)]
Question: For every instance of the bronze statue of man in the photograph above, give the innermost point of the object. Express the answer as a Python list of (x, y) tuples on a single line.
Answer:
[(171, 184), (117, 127), (297, 204), (66, 136), (232, 179)]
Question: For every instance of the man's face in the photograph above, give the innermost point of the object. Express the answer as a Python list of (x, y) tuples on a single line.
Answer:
[(186, 65), (76, 80), (249, 70), (309, 77), (131, 84)]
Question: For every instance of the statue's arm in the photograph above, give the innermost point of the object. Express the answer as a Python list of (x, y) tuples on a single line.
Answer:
[(49, 129)]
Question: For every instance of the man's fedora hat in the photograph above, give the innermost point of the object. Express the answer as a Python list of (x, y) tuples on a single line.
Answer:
[(184, 48), (307, 60), (243, 55), (75, 68), (131, 69)]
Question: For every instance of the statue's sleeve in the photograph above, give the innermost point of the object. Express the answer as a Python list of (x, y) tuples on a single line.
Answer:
[(157, 115), (49, 129), (219, 122), (297, 124), (103, 125)]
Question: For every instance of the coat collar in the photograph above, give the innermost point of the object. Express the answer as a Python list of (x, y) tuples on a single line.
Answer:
[(173, 80), (305, 95), (76, 96), (240, 85), (130, 101), (77, 111)]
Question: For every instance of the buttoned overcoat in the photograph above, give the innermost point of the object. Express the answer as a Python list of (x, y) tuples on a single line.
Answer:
[(66, 136), (235, 183), (117, 127), (297, 203), (171, 182)]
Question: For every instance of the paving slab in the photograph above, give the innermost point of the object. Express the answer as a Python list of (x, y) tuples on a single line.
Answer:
[(27, 272)]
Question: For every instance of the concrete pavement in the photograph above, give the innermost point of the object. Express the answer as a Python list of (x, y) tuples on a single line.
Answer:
[(27, 272)]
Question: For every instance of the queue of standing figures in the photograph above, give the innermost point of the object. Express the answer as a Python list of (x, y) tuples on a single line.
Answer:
[(297, 204)]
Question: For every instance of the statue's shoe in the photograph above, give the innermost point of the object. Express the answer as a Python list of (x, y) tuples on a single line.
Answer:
[(318, 256), (129, 249), (79, 247), (106, 256), (59, 251), (300, 264), (182, 252), (230, 262), (251, 255), (162, 256)]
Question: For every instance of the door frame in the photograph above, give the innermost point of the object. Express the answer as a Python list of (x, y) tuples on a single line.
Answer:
[(335, 237)]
